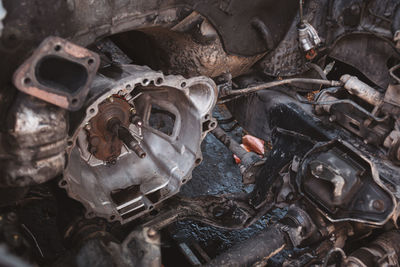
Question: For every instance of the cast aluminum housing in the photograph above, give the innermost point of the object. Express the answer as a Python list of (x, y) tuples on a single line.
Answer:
[(132, 186)]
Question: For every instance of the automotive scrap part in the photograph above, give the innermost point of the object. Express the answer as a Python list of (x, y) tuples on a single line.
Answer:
[(131, 186), (140, 247), (58, 72), (362, 90), (292, 230), (225, 15), (250, 162), (109, 130), (383, 251), (363, 50), (36, 139), (344, 185), (176, 52), (365, 121)]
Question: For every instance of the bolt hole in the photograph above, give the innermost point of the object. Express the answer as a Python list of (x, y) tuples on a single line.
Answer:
[(112, 217), (70, 143), (184, 181), (212, 124), (74, 101), (63, 183), (198, 161), (206, 117), (57, 48), (145, 81), (183, 84), (27, 80), (151, 207), (159, 80), (92, 110), (90, 61), (128, 86)]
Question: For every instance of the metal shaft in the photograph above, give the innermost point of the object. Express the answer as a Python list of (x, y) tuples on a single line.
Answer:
[(125, 136)]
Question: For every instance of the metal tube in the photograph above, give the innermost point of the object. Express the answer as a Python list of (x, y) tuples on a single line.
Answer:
[(383, 251), (260, 247), (231, 144), (125, 136), (301, 12), (282, 82), (114, 125), (356, 87)]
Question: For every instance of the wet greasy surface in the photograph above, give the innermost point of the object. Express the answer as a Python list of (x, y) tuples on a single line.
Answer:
[(217, 174)]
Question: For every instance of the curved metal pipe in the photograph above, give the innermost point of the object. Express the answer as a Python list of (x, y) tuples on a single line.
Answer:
[(260, 247)]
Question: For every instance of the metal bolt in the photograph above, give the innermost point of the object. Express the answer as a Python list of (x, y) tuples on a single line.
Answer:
[(151, 233), (319, 168), (378, 205), (133, 110), (88, 127), (111, 99), (332, 238), (332, 118)]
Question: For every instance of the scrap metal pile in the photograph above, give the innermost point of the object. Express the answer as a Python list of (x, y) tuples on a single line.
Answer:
[(104, 106)]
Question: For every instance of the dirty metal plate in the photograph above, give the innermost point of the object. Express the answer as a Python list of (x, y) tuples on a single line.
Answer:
[(59, 72), (232, 19)]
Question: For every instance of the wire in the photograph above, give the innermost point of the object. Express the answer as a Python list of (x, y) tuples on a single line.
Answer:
[(318, 69), (33, 238), (281, 82), (392, 70), (301, 11), (225, 100)]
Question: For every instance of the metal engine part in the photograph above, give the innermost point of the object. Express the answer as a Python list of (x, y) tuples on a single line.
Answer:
[(308, 37), (384, 251), (353, 117), (364, 111), (34, 143), (58, 72), (138, 142), (344, 185)]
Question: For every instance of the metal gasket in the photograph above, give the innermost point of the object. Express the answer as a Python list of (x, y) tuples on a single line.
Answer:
[(58, 72)]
